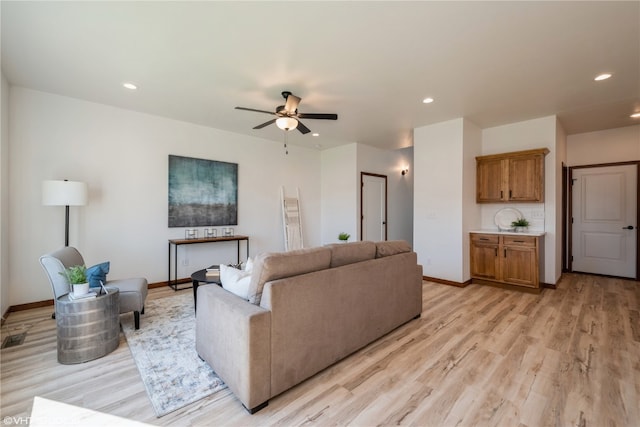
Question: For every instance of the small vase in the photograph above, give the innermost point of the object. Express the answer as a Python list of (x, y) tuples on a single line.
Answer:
[(80, 289), (522, 229)]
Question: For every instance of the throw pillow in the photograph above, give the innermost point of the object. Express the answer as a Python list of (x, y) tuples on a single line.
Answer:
[(235, 281), (249, 265), (98, 273)]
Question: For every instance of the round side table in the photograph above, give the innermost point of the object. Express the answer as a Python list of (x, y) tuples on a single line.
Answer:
[(88, 328)]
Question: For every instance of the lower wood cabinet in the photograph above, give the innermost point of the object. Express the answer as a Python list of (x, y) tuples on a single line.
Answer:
[(507, 258)]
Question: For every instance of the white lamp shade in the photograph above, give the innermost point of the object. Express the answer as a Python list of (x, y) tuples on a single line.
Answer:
[(287, 123), (64, 193)]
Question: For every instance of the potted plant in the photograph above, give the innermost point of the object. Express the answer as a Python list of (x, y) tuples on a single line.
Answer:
[(77, 276), (520, 224), (343, 237)]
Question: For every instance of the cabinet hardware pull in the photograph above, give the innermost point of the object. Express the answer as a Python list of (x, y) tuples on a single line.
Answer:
[(496, 251), (518, 241), (628, 227), (505, 253), (500, 194), (509, 193), (483, 238)]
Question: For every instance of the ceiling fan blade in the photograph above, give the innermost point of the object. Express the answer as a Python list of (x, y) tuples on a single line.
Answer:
[(253, 109), (323, 116), (302, 128), (265, 124), (292, 103)]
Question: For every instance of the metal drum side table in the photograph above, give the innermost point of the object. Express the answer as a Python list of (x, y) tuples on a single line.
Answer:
[(88, 328)]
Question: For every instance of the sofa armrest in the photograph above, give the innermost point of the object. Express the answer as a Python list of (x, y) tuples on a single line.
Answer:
[(234, 337)]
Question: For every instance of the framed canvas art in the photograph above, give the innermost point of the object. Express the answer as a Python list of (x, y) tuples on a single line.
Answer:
[(202, 192)]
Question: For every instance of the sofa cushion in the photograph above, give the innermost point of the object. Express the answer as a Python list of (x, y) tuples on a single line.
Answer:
[(349, 253), (278, 265), (391, 247), (235, 281)]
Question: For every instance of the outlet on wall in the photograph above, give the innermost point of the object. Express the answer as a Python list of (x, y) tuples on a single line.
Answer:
[(185, 262), (537, 214)]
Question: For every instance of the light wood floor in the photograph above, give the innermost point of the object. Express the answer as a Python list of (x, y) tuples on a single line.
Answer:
[(479, 356)]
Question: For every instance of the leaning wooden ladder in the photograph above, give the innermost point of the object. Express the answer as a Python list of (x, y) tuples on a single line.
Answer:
[(292, 221)]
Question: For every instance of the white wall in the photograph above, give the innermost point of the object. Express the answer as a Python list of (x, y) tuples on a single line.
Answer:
[(438, 200), (561, 158), (531, 134), (123, 157), (341, 168), (606, 146), (472, 147), (4, 196), (339, 189), (399, 187)]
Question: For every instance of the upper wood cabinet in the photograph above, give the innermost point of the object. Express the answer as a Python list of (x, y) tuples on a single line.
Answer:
[(511, 177)]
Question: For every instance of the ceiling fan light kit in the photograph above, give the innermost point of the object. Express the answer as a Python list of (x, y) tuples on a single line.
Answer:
[(287, 116), (287, 123)]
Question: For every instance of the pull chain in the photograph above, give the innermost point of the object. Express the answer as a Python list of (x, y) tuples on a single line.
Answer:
[(286, 150)]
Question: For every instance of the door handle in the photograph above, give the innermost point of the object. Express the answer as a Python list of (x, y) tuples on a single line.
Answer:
[(628, 227)]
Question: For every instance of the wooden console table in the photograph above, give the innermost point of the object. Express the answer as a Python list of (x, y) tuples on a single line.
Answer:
[(177, 242)]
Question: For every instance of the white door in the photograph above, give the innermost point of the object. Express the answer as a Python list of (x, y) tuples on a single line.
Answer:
[(374, 207), (604, 220)]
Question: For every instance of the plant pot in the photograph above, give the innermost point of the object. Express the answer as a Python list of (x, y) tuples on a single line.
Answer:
[(80, 289), (522, 229)]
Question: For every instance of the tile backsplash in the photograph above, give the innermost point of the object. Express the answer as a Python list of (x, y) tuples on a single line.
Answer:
[(533, 212)]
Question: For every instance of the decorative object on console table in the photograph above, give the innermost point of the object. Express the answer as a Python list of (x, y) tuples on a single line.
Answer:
[(210, 233), (64, 193), (190, 233), (227, 232)]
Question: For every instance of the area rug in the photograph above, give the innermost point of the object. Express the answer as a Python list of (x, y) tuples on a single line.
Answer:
[(164, 351)]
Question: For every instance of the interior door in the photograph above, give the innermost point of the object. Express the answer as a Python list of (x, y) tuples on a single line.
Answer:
[(373, 207), (604, 229)]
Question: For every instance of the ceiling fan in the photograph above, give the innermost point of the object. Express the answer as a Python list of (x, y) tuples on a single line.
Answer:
[(287, 116)]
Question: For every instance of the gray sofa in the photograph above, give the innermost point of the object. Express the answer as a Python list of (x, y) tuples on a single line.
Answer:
[(306, 310)]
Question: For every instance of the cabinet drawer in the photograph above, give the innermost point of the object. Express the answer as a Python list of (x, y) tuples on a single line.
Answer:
[(529, 241), (485, 238)]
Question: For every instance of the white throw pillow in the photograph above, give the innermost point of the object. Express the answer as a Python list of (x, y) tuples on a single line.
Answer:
[(235, 281), (249, 265)]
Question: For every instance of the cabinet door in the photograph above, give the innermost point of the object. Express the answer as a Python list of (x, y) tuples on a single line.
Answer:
[(520, 265), (489, 179), (525, 179), (484, 261)]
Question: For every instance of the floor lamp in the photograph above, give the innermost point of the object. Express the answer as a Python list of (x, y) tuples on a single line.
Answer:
[(64, 193)]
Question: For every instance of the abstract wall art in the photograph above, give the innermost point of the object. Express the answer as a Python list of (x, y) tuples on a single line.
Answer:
[(202, 192)]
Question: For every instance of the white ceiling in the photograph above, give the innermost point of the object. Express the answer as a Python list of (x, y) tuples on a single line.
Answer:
[(372, 63)]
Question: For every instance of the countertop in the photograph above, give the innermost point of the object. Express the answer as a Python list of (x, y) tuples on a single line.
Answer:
[(512, 233)]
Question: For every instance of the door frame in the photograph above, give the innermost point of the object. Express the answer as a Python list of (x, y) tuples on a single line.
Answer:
[(386, 197), (568, 190)]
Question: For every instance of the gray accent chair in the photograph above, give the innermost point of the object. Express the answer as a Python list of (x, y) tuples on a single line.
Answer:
[(133, 292)]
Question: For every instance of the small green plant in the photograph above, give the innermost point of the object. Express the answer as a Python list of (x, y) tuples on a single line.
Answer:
[(520, 222), (76, 274), (344, 236)]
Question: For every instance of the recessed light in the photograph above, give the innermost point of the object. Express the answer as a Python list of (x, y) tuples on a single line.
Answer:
[(603, 76), (635, 116), (130, 86), (428, 100), (315, 134)]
